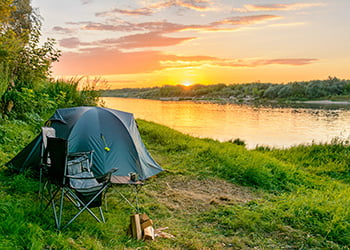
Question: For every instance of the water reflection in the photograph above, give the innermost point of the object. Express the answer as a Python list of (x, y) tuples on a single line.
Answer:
[(264, 126)]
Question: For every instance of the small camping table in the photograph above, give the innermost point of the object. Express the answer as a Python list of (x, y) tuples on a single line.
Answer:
[(125, 180)]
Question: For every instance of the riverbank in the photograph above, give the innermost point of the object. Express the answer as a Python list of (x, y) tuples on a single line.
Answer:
[(213, 195), (248, 93), (325, 102), (257, 102)]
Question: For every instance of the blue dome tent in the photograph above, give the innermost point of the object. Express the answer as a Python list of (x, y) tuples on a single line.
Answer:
[(112, 135)]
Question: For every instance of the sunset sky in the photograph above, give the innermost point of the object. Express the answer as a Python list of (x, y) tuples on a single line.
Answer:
[(143, 43)]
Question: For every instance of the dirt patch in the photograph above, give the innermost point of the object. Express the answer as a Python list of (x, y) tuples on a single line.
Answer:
[(189, 194)]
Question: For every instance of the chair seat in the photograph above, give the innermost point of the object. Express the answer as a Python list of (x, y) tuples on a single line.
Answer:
[(81, 184)]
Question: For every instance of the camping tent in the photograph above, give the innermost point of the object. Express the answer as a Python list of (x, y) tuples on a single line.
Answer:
[(112, 135)]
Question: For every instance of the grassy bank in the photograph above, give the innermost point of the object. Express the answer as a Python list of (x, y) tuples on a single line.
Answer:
[(213, 195)]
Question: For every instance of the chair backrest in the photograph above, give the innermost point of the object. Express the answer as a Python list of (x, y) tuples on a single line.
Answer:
[(45, 133), (79, 162), (58, 152)]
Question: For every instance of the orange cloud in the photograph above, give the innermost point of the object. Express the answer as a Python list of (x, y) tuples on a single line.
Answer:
[(137, 12), (157, 30), (160, 26), (186, 62), (150, 39), (279, 7), (245, 20), (197, 5), (263, 62)]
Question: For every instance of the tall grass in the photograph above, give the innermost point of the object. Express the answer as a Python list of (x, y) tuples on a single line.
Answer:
[(206, 157), (325, 159)]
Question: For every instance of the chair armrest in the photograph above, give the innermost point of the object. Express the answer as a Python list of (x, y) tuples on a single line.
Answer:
[(102, 178), (79, 177), (107, 176), (80, 153)]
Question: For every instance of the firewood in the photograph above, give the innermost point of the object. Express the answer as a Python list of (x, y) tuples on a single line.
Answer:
[(148, 233), (147, 223), (136, 226)]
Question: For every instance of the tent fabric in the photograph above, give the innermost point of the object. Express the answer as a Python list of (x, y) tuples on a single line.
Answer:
[(112, 135)]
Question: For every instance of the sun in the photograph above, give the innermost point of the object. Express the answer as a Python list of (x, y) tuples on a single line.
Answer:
[(186, 83)]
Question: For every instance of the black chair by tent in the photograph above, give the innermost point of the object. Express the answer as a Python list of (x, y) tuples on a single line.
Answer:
[(44, 160), (72, 176)]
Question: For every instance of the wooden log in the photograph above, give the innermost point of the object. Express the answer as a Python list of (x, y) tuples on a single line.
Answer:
[(143, 218), (147, 223), (136, 226), (148, 233)]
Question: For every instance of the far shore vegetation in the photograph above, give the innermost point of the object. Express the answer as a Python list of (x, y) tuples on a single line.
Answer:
[(213, 195), (332, 89)]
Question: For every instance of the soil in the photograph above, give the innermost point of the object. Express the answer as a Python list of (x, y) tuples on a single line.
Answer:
[(190, 194)]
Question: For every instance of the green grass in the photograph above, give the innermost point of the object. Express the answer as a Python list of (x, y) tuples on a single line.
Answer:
[(213, 195)]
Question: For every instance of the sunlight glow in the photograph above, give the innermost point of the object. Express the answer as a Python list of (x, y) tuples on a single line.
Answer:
[(187, 83)]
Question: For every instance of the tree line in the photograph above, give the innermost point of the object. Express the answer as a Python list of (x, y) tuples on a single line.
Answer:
[(303, 90)]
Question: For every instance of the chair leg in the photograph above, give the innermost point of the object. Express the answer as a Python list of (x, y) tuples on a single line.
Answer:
[(61, 208), (40, 186), (127, 201), (52, 203), (86, 207), (134, 193), (101, 214)]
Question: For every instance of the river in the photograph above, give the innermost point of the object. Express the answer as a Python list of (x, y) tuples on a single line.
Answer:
[(257, 126)]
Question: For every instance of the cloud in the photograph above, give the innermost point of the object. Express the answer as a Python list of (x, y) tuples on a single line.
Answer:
[(278, 7), (263, 62), (84, 2), (72, 42), (162, 27), (62, 30), (136, 12), (153, 34), (197, 5), (151, 39), (184, 62), (245, 20)]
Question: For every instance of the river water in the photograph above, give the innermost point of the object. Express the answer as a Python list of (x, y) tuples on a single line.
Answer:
[(257, 126)]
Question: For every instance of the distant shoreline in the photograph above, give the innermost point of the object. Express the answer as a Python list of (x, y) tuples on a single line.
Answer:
[(325, 102), (329, 93)]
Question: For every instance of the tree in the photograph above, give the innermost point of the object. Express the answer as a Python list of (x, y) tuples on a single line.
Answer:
[(6, 8), (23, 63)]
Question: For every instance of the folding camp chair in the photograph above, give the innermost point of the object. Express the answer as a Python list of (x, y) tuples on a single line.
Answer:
[(44, 160), (72, 176)]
